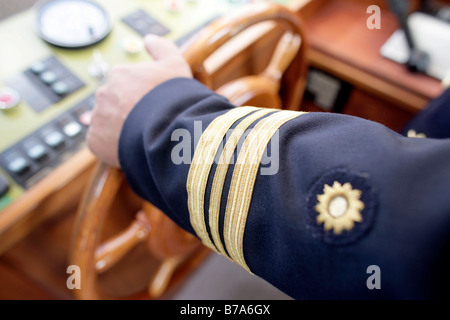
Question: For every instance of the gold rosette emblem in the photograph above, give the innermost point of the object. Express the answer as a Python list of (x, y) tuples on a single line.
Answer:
[(413, 134), (339, 207)]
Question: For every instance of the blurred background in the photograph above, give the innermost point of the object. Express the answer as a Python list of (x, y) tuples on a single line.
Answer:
[(9, 7)]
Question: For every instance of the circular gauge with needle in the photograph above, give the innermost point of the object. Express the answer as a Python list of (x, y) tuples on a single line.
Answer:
[(72, 23)]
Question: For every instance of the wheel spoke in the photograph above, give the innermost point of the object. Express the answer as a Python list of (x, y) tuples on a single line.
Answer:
[(161, 279), (284, 54), (115, 248)]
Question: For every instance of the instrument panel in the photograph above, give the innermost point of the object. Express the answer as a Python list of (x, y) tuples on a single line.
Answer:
[(53, 58)]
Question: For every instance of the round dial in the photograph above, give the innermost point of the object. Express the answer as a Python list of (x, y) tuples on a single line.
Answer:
[(72, 23)]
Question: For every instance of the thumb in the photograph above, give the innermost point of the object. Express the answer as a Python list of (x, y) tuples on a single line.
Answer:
[(160, 48)]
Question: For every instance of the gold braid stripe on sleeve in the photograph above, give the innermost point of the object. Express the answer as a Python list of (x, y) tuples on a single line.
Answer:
[(202, 161), (221, 172), (243, 181)]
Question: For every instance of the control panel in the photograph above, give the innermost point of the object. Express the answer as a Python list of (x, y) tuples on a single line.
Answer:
[(53, 58)]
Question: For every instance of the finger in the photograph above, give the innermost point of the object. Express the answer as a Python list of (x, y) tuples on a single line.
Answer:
[(160, 48)]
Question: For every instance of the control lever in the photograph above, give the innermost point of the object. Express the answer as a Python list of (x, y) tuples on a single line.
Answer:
[(418, 60)]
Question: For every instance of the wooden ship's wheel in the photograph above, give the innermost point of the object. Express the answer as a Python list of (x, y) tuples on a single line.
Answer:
[(280, 85)]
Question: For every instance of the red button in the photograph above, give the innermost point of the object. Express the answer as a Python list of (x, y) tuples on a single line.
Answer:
[(6, 98), (85, 118), (9, 98)]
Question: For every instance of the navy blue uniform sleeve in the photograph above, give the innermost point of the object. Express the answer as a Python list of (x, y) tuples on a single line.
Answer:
[(434, 120), (353, 209)]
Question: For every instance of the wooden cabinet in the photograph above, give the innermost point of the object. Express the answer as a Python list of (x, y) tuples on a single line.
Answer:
[(343, 47)]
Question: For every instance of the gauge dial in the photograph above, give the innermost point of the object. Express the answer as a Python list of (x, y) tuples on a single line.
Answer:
[(72, 23)]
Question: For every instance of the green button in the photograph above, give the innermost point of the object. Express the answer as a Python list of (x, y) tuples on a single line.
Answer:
[(18, 165), (37, 152), (54, 139), (38, 67), (48, 77), (60, 88)]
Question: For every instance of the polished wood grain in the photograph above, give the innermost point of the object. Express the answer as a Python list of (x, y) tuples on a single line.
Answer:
[(264, 90), (166, 242), (16, 286), (115, 248)]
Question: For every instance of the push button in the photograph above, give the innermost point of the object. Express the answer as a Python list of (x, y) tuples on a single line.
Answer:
[(72, 129), (4, 186), (48, 77), (133, 45), (174, 5), (18, 165), (60, 88), (83, 115), (9, 98), (54, 139), (38, 67), (36, 152), (85, 118)]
